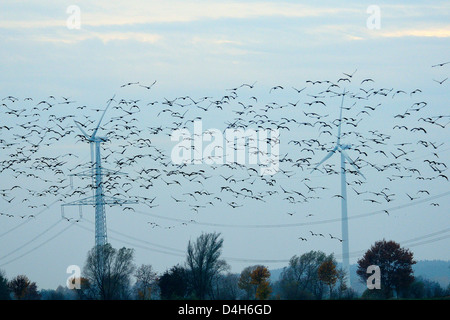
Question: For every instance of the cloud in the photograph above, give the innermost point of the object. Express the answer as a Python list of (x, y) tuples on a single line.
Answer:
[(73, 37), (105, 13), (429, 32), (121, 36), (147, 21), (138, 12)]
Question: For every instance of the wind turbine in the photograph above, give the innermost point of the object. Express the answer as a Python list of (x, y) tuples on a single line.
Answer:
[(100, 216), (344, 219), (99, 199)]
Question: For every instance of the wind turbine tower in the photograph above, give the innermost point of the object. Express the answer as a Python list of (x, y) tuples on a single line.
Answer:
[(99, 199), (344, 217)]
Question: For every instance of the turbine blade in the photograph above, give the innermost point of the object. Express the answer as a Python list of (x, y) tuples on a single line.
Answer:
[(81, 129), (346, 156), (92, 154), (340, 120), (92, 164), (101, 118), (325, 159)]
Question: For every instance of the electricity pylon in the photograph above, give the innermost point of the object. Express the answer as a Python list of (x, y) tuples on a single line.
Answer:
[(99, 199)]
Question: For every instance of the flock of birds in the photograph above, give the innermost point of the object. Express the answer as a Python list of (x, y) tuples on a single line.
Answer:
[(39, 139)]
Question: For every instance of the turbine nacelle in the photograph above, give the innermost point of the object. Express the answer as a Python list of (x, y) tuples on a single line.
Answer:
[(340, 147), (99, 139), (93, 137), (345, 146)]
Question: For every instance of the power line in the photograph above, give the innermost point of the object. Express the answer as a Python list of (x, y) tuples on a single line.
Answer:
[(38, 246), (26, 221), (429, 241), (178, 252), (32, 240), (299, 224), (427, 236), (352, 254), (135, 239), (357, 253)]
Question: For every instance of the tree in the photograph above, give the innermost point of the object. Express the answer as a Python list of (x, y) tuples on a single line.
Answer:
[(4, 289), (51, 294), (113, 280), (23, 289), (263, 291), (328, 274), (203, 263), (225, 287), (61, 293), (245, 282), (145, 279), (173, 283), (395, 265), (300, 279), (423, 288), (342, 290), (85, 292), (259, 278)]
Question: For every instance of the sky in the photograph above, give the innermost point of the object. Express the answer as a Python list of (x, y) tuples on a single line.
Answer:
[(89, 52)]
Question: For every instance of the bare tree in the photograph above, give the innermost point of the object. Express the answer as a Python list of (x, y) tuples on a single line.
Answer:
[(225, 287), (110, 279), (203, 263), (145, 281)]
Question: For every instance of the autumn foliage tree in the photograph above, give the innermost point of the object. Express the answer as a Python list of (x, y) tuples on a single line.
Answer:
[(300, 279), (260, 278), (245, 282), (328, 274), (395, 265)]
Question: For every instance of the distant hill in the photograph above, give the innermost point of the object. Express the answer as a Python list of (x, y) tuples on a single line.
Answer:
[(435, 270)]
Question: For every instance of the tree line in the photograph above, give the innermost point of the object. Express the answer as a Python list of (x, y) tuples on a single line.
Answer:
[(111, 274)]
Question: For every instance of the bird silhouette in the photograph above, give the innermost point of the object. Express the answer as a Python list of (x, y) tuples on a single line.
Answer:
[(333, 237), (440, 81), (440, 64), (33, 129), (146, 87)]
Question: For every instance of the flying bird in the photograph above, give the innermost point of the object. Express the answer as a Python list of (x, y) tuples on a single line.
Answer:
[(440, 82), (148, 87), (367, 80), (350, 75), (440, 64), (333, 237), (275, 88)]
